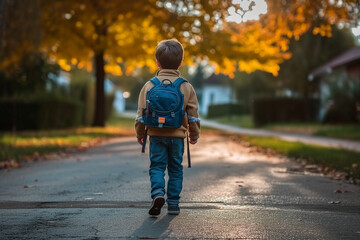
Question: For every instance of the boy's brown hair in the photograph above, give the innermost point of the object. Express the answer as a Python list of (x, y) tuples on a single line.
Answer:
[(169, 53)]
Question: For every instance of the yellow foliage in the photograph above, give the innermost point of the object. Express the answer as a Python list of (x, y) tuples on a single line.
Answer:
[(130, 69), (263, 45), (64, 65), (323, 30), (151, 64), (74, 61), (131, 40), (81, 65), (78, 24), (215, 66), (88, 66), (113, 68), (229, 67)]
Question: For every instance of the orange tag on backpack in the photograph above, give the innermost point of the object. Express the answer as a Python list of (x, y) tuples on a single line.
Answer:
[(161, 120)]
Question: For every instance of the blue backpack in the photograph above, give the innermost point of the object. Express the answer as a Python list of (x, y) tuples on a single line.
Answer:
[(164, 104)]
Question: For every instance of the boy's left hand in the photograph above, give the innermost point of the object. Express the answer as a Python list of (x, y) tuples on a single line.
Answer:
[(141, 140)]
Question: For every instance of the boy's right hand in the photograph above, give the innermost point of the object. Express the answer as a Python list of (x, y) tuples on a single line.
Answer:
[(193, 141), (141, 140)]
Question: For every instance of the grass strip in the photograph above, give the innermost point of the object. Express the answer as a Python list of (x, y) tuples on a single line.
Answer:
[(349, 132), (344, 132), (25, 144), (339, 159)]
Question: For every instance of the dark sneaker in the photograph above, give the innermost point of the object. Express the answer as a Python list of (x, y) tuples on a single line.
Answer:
[(173, 209), (156, 206)]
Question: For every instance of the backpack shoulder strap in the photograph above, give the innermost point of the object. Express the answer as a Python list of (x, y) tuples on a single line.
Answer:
[(155, 81), (179, 81)]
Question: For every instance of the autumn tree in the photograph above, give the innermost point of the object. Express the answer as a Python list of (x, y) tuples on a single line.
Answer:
[(283, 25), (101, 36), (264, 43), (23, 69), (95, 35), (19, 32), (104, 34)]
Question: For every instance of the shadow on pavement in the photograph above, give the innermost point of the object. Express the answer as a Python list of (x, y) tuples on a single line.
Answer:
[(153, 228)]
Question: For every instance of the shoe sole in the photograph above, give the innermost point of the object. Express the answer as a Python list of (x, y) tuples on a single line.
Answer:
[(173, 212), (156, 206)]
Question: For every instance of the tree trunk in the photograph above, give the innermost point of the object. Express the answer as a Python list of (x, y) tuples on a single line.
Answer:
[(99, 116)]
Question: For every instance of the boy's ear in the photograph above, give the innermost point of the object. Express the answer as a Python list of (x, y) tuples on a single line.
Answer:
[(180, 64), (158, 64)]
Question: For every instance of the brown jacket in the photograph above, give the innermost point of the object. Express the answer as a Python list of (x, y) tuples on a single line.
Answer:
[(191, 120)]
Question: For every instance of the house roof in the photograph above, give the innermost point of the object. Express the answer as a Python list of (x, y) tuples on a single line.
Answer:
[(343, 59), (217, 79)]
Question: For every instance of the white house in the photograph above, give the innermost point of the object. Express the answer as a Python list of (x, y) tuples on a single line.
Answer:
[(216, 90), (119, 101)]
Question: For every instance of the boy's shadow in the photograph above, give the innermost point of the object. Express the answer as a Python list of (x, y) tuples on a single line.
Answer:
[(154, 227)]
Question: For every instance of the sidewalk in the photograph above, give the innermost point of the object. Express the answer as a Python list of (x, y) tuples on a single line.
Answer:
[(321, 141)]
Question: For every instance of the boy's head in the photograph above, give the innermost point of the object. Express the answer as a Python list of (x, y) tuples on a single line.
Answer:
[(169, 54)]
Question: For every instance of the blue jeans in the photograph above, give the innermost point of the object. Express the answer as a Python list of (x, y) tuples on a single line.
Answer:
[(166, 152)]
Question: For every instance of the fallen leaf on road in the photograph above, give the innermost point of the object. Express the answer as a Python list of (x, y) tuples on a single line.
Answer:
[(25, 158), (46, 156), (310, 166), (9, 164), (338, 191), (36, 155), (25, 186)]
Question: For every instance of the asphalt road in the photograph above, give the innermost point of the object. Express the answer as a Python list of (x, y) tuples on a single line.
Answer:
[(231, 192)]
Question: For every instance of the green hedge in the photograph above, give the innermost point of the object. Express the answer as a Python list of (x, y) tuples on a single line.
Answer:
[(282, 109), (220, 110), (35, 113), (342, 111)]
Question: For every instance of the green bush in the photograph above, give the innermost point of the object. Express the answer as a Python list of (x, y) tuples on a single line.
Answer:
[(282, 109), (40, 112), (220, 110), (343, 111)]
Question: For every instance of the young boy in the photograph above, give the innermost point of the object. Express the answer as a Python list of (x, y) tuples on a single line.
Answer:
[(167, 144)]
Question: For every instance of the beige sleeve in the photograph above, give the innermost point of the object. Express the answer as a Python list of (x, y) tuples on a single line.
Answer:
[(139, 122), (192, 109)]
